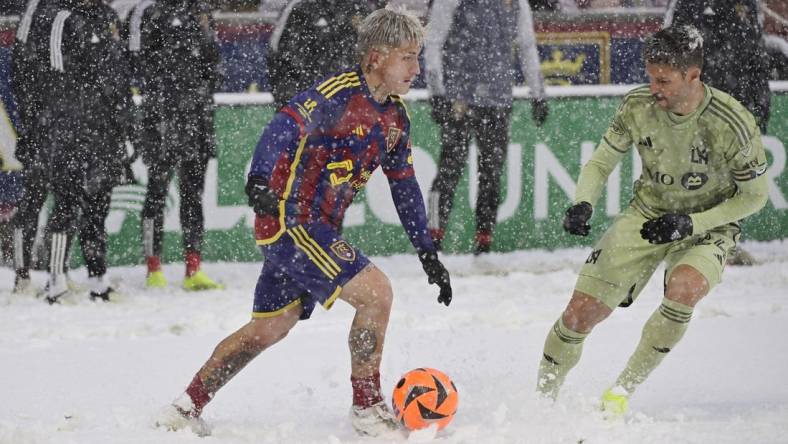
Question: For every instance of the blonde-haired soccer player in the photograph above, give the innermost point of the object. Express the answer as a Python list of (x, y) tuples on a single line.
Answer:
[(313, 157)]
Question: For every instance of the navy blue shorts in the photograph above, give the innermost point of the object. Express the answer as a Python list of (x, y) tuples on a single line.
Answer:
[(308, 264)]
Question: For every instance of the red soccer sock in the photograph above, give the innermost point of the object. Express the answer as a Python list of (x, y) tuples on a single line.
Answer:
[(199, 395), (192, 260), (437, 234), (366, 390), (154, 264), (484, 238)]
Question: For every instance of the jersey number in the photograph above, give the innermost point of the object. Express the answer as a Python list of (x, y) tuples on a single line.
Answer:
[(337, 179)]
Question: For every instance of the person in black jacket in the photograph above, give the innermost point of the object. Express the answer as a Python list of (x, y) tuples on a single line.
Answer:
[(25, 81), (735, 58), (735, 55), (83, 77), (178, 63), (311, 39)]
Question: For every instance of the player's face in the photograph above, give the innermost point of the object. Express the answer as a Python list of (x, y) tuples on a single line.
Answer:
[(398, 67), (670, 87)]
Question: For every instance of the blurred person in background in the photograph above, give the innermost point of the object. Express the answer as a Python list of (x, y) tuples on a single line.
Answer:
[(178, 63), (81, 150), (310, 40), (28, 87), (735, 58), (469, 56)]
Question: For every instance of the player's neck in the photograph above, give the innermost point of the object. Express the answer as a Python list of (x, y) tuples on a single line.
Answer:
[(694, 99), (376, 87)]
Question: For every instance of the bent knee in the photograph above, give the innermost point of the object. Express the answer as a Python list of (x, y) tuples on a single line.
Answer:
[(584, 312), (686, 285)]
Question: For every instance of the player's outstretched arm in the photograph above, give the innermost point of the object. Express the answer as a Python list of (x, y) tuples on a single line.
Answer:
[(410, 208)]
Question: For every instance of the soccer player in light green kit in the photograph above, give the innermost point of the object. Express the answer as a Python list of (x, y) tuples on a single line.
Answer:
[(703, 169)]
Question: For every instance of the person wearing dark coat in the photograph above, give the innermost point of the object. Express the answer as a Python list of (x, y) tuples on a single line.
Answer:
[(469, 57), (311, 39), (178, 63), (736, 60), (80, 130)]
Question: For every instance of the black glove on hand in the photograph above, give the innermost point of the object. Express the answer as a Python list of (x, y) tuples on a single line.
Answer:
[(261, 198), (576, 219), (667, 228), (437, 274), (539, 111)]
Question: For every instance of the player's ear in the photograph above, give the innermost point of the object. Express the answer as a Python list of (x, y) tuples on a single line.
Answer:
[(373, 58), (693, 73)]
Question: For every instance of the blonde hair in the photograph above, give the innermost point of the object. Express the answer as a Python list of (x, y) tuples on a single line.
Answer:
[(388, 28)]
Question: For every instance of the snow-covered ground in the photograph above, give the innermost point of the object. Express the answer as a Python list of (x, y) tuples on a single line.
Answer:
[(89, 373)]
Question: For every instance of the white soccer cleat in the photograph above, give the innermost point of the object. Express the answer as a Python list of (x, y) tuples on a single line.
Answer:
[(176, 417), (374, 420), (56, 288)]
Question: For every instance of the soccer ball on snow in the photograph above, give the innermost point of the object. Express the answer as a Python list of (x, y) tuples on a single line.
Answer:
[(424, 397)]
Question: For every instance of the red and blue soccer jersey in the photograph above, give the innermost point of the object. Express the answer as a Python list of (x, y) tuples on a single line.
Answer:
[(322, 147)]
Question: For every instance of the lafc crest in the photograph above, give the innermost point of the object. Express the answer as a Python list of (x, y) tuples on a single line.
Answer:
[(392, 138), (344, 251)]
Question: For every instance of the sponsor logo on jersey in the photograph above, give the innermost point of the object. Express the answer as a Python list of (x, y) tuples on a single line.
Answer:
[(392, 138), (645, 142), (359, 131), (659, 177), (343, 251), (692, 180)]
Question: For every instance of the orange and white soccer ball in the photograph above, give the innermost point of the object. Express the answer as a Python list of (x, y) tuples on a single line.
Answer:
[(424, 397)]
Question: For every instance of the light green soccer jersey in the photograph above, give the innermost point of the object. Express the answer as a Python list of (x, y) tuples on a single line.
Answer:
[(709, 164)]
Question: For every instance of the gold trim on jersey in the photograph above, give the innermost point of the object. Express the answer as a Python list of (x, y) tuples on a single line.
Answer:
[(331, 299), (288, 189), (312, 249), (271, 314), (397, 99), (338, 83)]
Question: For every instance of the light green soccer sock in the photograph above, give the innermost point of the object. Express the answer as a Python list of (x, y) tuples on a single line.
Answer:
[(661, 333), (562, 350)]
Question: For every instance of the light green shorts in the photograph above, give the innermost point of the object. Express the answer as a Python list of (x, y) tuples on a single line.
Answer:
[(621, 262)]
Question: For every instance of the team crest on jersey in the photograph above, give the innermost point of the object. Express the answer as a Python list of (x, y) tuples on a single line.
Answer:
[(344, 251), (392, 138)]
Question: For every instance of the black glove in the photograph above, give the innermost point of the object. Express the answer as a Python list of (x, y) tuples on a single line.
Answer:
[(539, 111), (261, 198), (437, 274), (667, 228), (441, 109), (576, 219)]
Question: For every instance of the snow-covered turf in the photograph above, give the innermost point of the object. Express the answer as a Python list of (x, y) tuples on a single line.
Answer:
[(89, 373)]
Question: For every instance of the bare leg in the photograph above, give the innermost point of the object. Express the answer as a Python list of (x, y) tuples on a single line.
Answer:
[(370, 294), (238, 349)]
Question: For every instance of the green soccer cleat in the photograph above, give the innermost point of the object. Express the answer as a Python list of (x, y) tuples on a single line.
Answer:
[(615, 402), (156, 279), (200, 281)]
